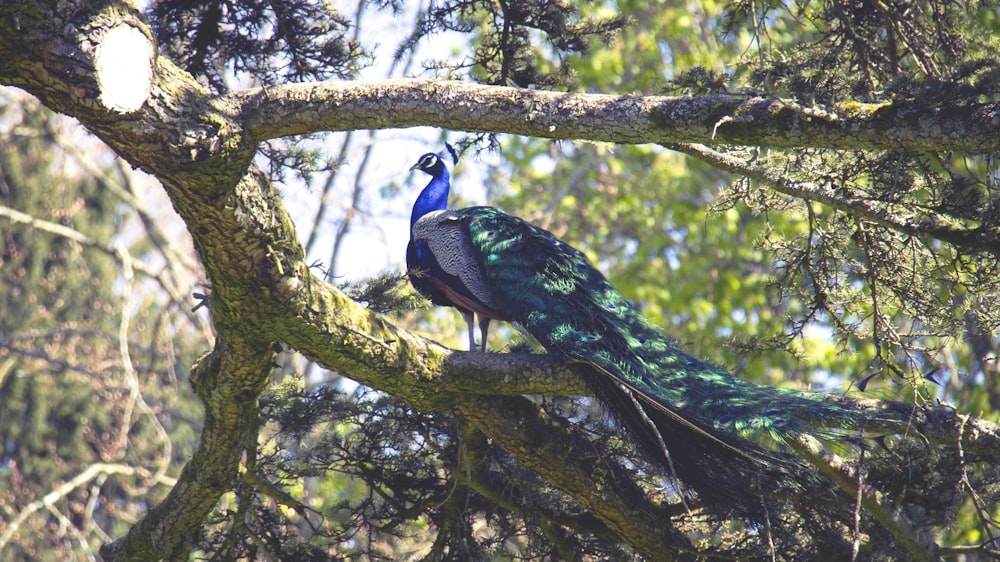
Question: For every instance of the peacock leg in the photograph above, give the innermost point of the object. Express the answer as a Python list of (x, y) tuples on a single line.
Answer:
[(484, 328), (469, 321)]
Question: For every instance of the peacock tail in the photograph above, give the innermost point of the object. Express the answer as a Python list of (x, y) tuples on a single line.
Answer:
[(717, 433)]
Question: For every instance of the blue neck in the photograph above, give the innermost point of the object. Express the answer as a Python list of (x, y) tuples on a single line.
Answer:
[(434, 197)]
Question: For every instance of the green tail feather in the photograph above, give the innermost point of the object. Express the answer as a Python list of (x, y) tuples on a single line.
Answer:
[(705, 425)]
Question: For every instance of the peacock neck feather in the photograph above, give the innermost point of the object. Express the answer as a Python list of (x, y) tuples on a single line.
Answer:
[(434, 197)]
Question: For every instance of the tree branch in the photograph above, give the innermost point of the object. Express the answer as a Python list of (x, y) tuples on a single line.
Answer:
[(560, 454), (228, 381), (918, 548), (295, 109), (897, 217), (91, 472)]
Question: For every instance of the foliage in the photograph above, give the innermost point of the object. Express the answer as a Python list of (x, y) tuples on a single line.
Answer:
[(52, 297), (510, 36), (66, 400), (407, 482), (270, 42)]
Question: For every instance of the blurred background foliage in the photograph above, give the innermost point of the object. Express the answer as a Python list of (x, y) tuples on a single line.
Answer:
[(777, 289)]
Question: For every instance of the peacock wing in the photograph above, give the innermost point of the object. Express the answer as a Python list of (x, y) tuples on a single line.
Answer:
[(447, 236)]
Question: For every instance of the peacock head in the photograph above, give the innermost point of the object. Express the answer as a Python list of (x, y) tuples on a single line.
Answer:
[(432, 164)]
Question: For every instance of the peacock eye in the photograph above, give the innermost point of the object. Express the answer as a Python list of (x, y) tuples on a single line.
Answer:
[(777, 418)]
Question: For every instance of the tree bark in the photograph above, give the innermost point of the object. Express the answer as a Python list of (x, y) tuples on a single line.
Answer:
[(295, 109)]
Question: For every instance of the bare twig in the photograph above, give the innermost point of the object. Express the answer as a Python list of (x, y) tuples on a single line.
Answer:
[(135, 393), (75, 235), (90, 473)]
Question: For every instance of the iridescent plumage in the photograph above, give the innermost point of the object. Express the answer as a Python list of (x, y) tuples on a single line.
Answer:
[(713, 431)]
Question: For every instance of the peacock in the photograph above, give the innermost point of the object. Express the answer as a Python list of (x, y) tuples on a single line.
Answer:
[(423, 269), (722, 436)]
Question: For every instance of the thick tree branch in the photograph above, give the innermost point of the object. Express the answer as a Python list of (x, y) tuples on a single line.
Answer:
[(558, 452), (712, 119), (431, 377), (918, 548)]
